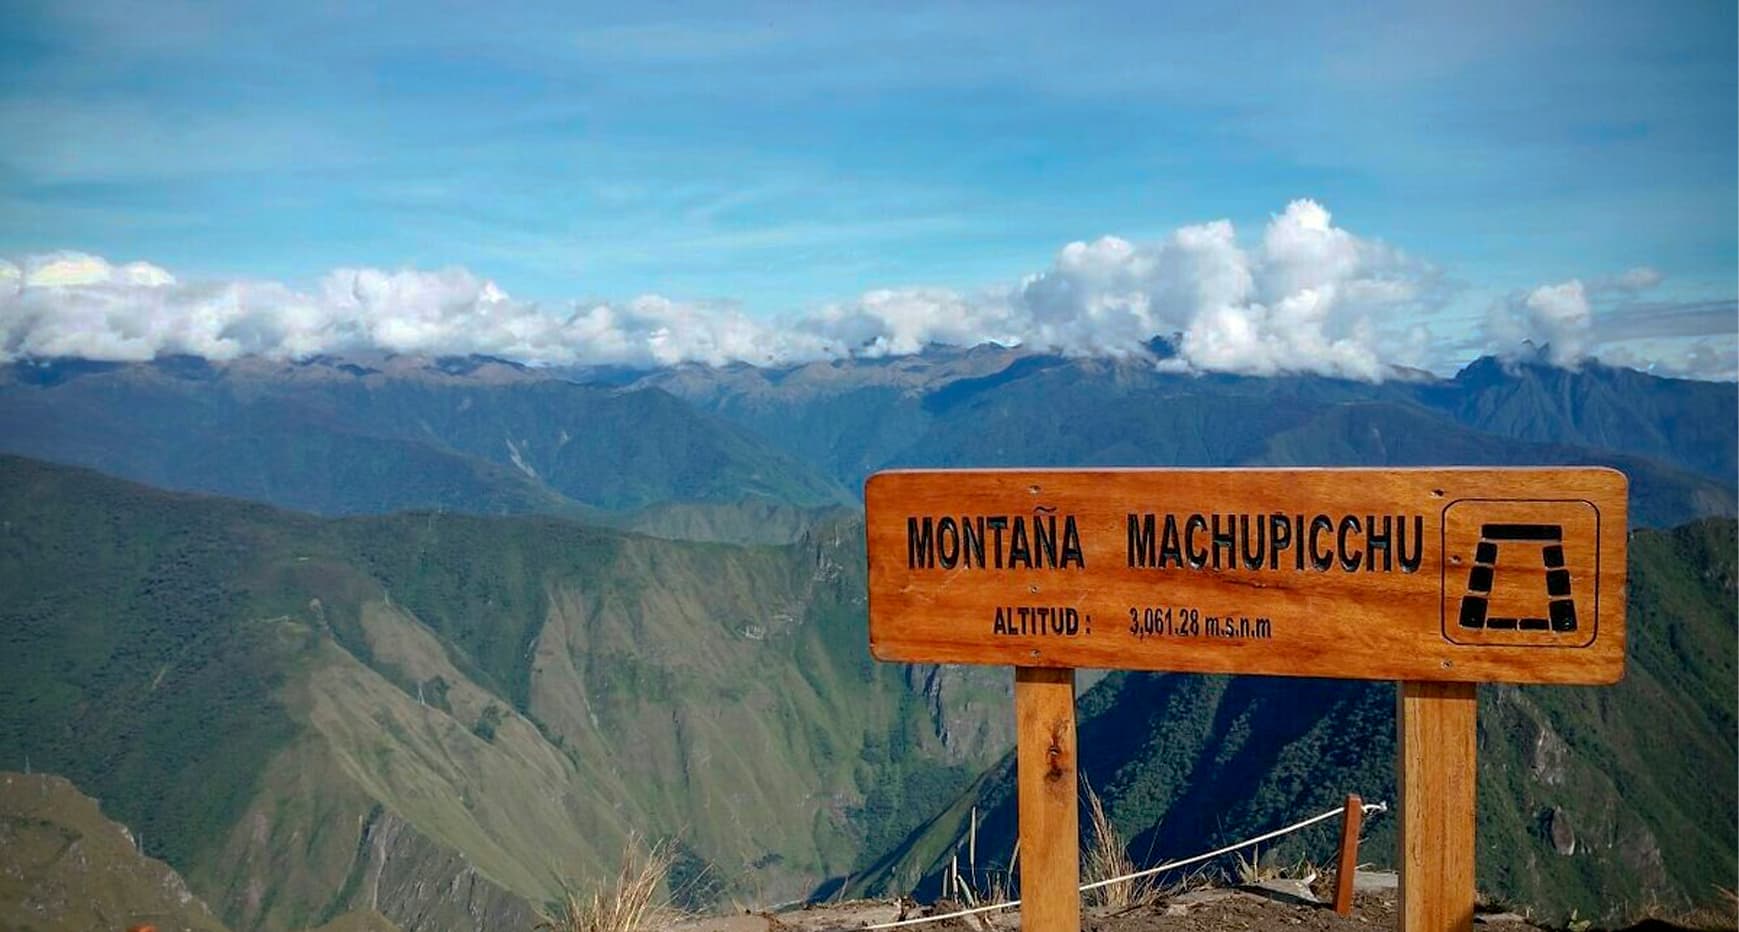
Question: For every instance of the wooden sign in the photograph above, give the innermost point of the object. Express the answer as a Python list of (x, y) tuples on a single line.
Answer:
[(1438, 578), (1461, 575)]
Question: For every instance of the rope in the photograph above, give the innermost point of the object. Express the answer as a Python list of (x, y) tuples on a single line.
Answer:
[(1011, 904)]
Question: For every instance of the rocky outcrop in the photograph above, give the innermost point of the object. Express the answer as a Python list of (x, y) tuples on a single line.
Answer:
[(424, 887), (1555, 829), (65, 866)]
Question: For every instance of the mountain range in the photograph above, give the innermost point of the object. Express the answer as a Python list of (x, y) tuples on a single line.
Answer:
[(991, 406), (339, 438), (458, 629), (486, 436)]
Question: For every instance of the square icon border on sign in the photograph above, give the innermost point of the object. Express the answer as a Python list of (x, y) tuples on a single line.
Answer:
[(1443, 571)]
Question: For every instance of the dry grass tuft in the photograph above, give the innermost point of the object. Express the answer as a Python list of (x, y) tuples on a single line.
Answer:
[(1107, 857), (1250, 870), (629, 904), (1701, 918)]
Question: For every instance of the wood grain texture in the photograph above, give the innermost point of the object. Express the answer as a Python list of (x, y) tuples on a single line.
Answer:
[(1436, 773), (1050, 839), (1352, 822), (1470, 575)]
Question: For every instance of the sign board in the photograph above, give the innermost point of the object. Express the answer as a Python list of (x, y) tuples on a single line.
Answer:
[(1454, 574)]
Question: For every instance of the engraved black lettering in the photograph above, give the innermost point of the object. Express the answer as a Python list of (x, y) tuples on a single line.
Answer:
[(997, 524), (947, 543), (1320, 558), (1349, 558), (1045, 540), (1169, 546), (1224, 540), (972, 540), (1253, 554), (1072, 543), (1280, 532), (1198, 558), (1018, 552), (1141, 552), (920, 544), (1410, 562), (1378, 540)]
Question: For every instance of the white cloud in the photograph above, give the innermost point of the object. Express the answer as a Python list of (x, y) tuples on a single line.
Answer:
[(1630, 281), (1554, 318), (1306, 296), (1708, 359), (1572, 321), (1311, 297), (902, 321), (1318, 299), (72, 269), (72, 304)]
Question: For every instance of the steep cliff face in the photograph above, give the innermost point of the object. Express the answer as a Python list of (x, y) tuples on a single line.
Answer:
[(1601, 799), (375, 806), (423, 886), (1551, 820)]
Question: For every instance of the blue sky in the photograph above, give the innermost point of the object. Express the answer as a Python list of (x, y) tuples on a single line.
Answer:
[(785, 157)]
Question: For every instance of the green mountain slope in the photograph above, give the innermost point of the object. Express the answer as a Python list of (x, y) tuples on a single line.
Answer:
[(67, 868), (750, 521), (1400, 435), (1680, 421), (1602, 800), (443, 718)]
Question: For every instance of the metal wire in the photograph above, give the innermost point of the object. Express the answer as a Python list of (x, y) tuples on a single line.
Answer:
[(1172, 865)]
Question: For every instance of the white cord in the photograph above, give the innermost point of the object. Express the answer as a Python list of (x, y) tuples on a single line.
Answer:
[(1367, 807)]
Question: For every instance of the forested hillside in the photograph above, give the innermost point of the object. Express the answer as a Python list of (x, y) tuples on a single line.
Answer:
[(304, 716)]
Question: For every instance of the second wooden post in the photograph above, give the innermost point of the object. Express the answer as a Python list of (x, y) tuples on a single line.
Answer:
[(1436, 773), (1050, 821), (1346, 872)]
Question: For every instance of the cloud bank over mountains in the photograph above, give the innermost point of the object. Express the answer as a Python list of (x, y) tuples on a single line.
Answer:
[(1305, 297)]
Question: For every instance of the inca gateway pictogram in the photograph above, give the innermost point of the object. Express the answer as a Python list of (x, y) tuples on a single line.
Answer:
[(1521, 573)]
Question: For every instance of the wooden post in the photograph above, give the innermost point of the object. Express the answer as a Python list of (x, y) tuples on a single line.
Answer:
[(1050, 822), (1352, 820), (1435, 770)]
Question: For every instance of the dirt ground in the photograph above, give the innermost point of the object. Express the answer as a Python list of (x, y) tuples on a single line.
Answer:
[(1213, 910), (1243, 911), (1239, 911)]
